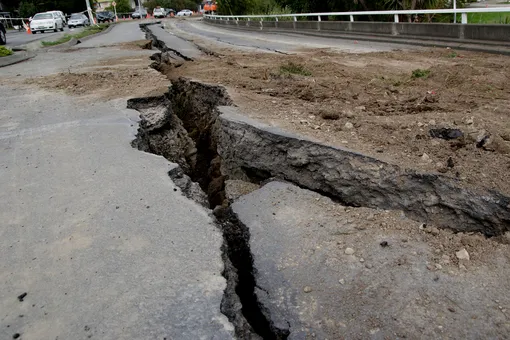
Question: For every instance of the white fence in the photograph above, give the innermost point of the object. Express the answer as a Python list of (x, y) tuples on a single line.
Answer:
[(462, 11)]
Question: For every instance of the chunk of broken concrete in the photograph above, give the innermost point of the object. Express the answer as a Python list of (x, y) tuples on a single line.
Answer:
[(462, 254)]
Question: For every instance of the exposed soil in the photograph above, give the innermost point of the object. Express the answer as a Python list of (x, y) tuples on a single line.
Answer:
[(108, 79), (391, 111)]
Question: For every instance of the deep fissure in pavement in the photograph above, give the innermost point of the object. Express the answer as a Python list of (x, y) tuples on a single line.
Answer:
[(185, 127), (180, 126)]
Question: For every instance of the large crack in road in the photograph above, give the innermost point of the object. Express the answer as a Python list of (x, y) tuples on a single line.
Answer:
[(196, 126)]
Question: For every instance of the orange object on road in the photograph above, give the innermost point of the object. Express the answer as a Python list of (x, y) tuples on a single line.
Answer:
[(27, 27), (210, 6)]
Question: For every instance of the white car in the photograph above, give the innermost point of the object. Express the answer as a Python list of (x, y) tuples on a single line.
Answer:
[(61, 14), (185, 13), (45, 22), (159, 13)]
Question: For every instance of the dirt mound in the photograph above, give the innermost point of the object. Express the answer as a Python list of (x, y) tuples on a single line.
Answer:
[(115, 78), (382, 104)]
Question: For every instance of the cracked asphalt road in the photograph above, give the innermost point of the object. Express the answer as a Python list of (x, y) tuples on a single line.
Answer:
[(94, 231)]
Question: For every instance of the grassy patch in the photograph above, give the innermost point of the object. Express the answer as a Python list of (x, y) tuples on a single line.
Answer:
[(4, 51), (487, 18), (419, 73), (452, 54), (62, 40), (86, 32), (292, 68)]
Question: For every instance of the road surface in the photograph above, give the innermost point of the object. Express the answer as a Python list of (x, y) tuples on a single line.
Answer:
[(281, 42), (15, 38), (94, 232)]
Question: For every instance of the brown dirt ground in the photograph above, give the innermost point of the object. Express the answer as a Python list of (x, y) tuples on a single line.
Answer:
[(391, 112), (109, 78)]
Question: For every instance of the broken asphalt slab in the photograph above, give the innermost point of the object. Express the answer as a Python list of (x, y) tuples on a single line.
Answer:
[(95, 232), (167, 41), (252, 150), (308, 282)]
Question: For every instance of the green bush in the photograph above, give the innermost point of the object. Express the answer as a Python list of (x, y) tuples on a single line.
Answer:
[(419, 73), (4, 51), (292, 68)]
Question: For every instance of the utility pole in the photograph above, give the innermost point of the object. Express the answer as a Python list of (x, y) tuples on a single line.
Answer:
[(455, 14), (89, 11)]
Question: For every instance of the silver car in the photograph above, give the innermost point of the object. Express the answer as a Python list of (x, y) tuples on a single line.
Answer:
[(78, 19)]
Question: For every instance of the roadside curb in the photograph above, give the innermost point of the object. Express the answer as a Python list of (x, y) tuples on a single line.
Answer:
[(74, 41), (37, 44), (459, 45), (98, 34), (17, 57)]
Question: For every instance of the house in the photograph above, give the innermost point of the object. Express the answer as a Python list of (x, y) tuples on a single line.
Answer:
[(102, 4)]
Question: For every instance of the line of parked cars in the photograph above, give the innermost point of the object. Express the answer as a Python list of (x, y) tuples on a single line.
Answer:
[(56, 20)]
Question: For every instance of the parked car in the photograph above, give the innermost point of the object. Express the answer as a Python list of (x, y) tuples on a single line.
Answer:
[(105, 16), (45, 22), (159, 13), (139, 13), (185, 13), (3, 38), (78, 19), (169, 11), (60, 14)]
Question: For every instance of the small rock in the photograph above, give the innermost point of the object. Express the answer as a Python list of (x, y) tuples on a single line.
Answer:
[(462, 267), (349, 251), (307, 289), (469, 121), (445, 259), (438, 266), (496, 144), (462, 254), (505, 135), (440, 167), (341, 281), (425, 158), (348, 114), (434, 231), (361, 260), (22, 296), (349, 126), (445, 133), (384, 244), (450, 163), (430, 267), (432, 122), (420, 124), (330, 115), (360, 108), (369, 266)]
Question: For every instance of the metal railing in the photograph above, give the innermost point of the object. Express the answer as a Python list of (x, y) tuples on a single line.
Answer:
[(462, 11)]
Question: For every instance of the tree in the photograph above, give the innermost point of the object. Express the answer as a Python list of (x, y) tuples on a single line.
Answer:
[(123, 6), (27, 9)]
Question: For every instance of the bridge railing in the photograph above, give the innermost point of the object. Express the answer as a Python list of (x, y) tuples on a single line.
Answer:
[(351, 15)]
